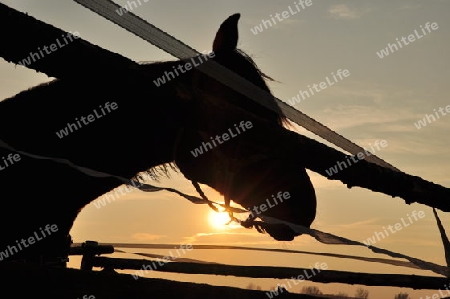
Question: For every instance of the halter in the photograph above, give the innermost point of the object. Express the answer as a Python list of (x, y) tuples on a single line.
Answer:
[(229, 166)]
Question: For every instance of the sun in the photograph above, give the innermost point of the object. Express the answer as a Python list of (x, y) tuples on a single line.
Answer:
[(218, 220)]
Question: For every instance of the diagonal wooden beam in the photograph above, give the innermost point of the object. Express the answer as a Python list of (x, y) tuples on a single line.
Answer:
[(318, 157), (65, 56)]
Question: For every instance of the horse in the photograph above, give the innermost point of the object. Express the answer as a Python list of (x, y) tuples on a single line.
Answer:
[(125, 125)]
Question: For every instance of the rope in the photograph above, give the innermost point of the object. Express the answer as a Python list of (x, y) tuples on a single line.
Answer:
[(202, 195), (322, 237), (100, 174)]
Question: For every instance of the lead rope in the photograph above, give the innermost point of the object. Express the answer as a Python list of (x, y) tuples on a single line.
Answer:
[(194, 183), (325, 238), (228, 183), (203, 195)]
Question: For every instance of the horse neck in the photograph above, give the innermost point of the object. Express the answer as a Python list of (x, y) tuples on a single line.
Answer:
[(139, 134)]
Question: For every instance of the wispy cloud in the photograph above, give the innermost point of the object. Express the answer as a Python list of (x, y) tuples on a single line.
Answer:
[(358, 224), (143, 237), (360, 104), (343, 12), (250, 237), (409, 7)]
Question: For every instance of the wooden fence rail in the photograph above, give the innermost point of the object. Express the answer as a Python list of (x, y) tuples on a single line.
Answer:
[(22, 34), (288, 273)]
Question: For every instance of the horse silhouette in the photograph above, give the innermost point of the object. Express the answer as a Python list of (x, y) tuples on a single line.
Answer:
[(124, 124)]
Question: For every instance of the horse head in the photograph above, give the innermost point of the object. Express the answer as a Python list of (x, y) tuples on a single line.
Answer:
[(224, 143)]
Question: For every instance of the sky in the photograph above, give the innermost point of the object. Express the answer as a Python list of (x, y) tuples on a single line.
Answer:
[(387, 92)]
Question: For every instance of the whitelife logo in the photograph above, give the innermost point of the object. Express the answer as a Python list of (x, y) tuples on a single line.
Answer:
[(411, 38), (152, 265), (35, 56), (86, 120), (281, 16), (334, 169), (10, 160), (431, 118), (263, 207), (183, 67), (12, 249), (225, 137), (284, 287), (395, 228), (342, 74)]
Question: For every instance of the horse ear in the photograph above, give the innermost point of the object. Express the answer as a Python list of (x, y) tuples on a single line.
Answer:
[(227, 35)]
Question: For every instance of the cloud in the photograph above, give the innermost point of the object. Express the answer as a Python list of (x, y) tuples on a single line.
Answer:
[(220, 237), (235, 238), (409, 7), (244, 238), (360, 105), (343, 12), (143, 237)]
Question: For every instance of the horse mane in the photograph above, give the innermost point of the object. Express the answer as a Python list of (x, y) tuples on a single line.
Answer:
[(250, 59), (157, 172), (281, 119)]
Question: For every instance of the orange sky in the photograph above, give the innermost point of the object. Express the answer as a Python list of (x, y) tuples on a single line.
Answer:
[(382, 99)]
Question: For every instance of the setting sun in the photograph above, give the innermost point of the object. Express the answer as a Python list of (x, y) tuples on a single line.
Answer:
[(218, 220)]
